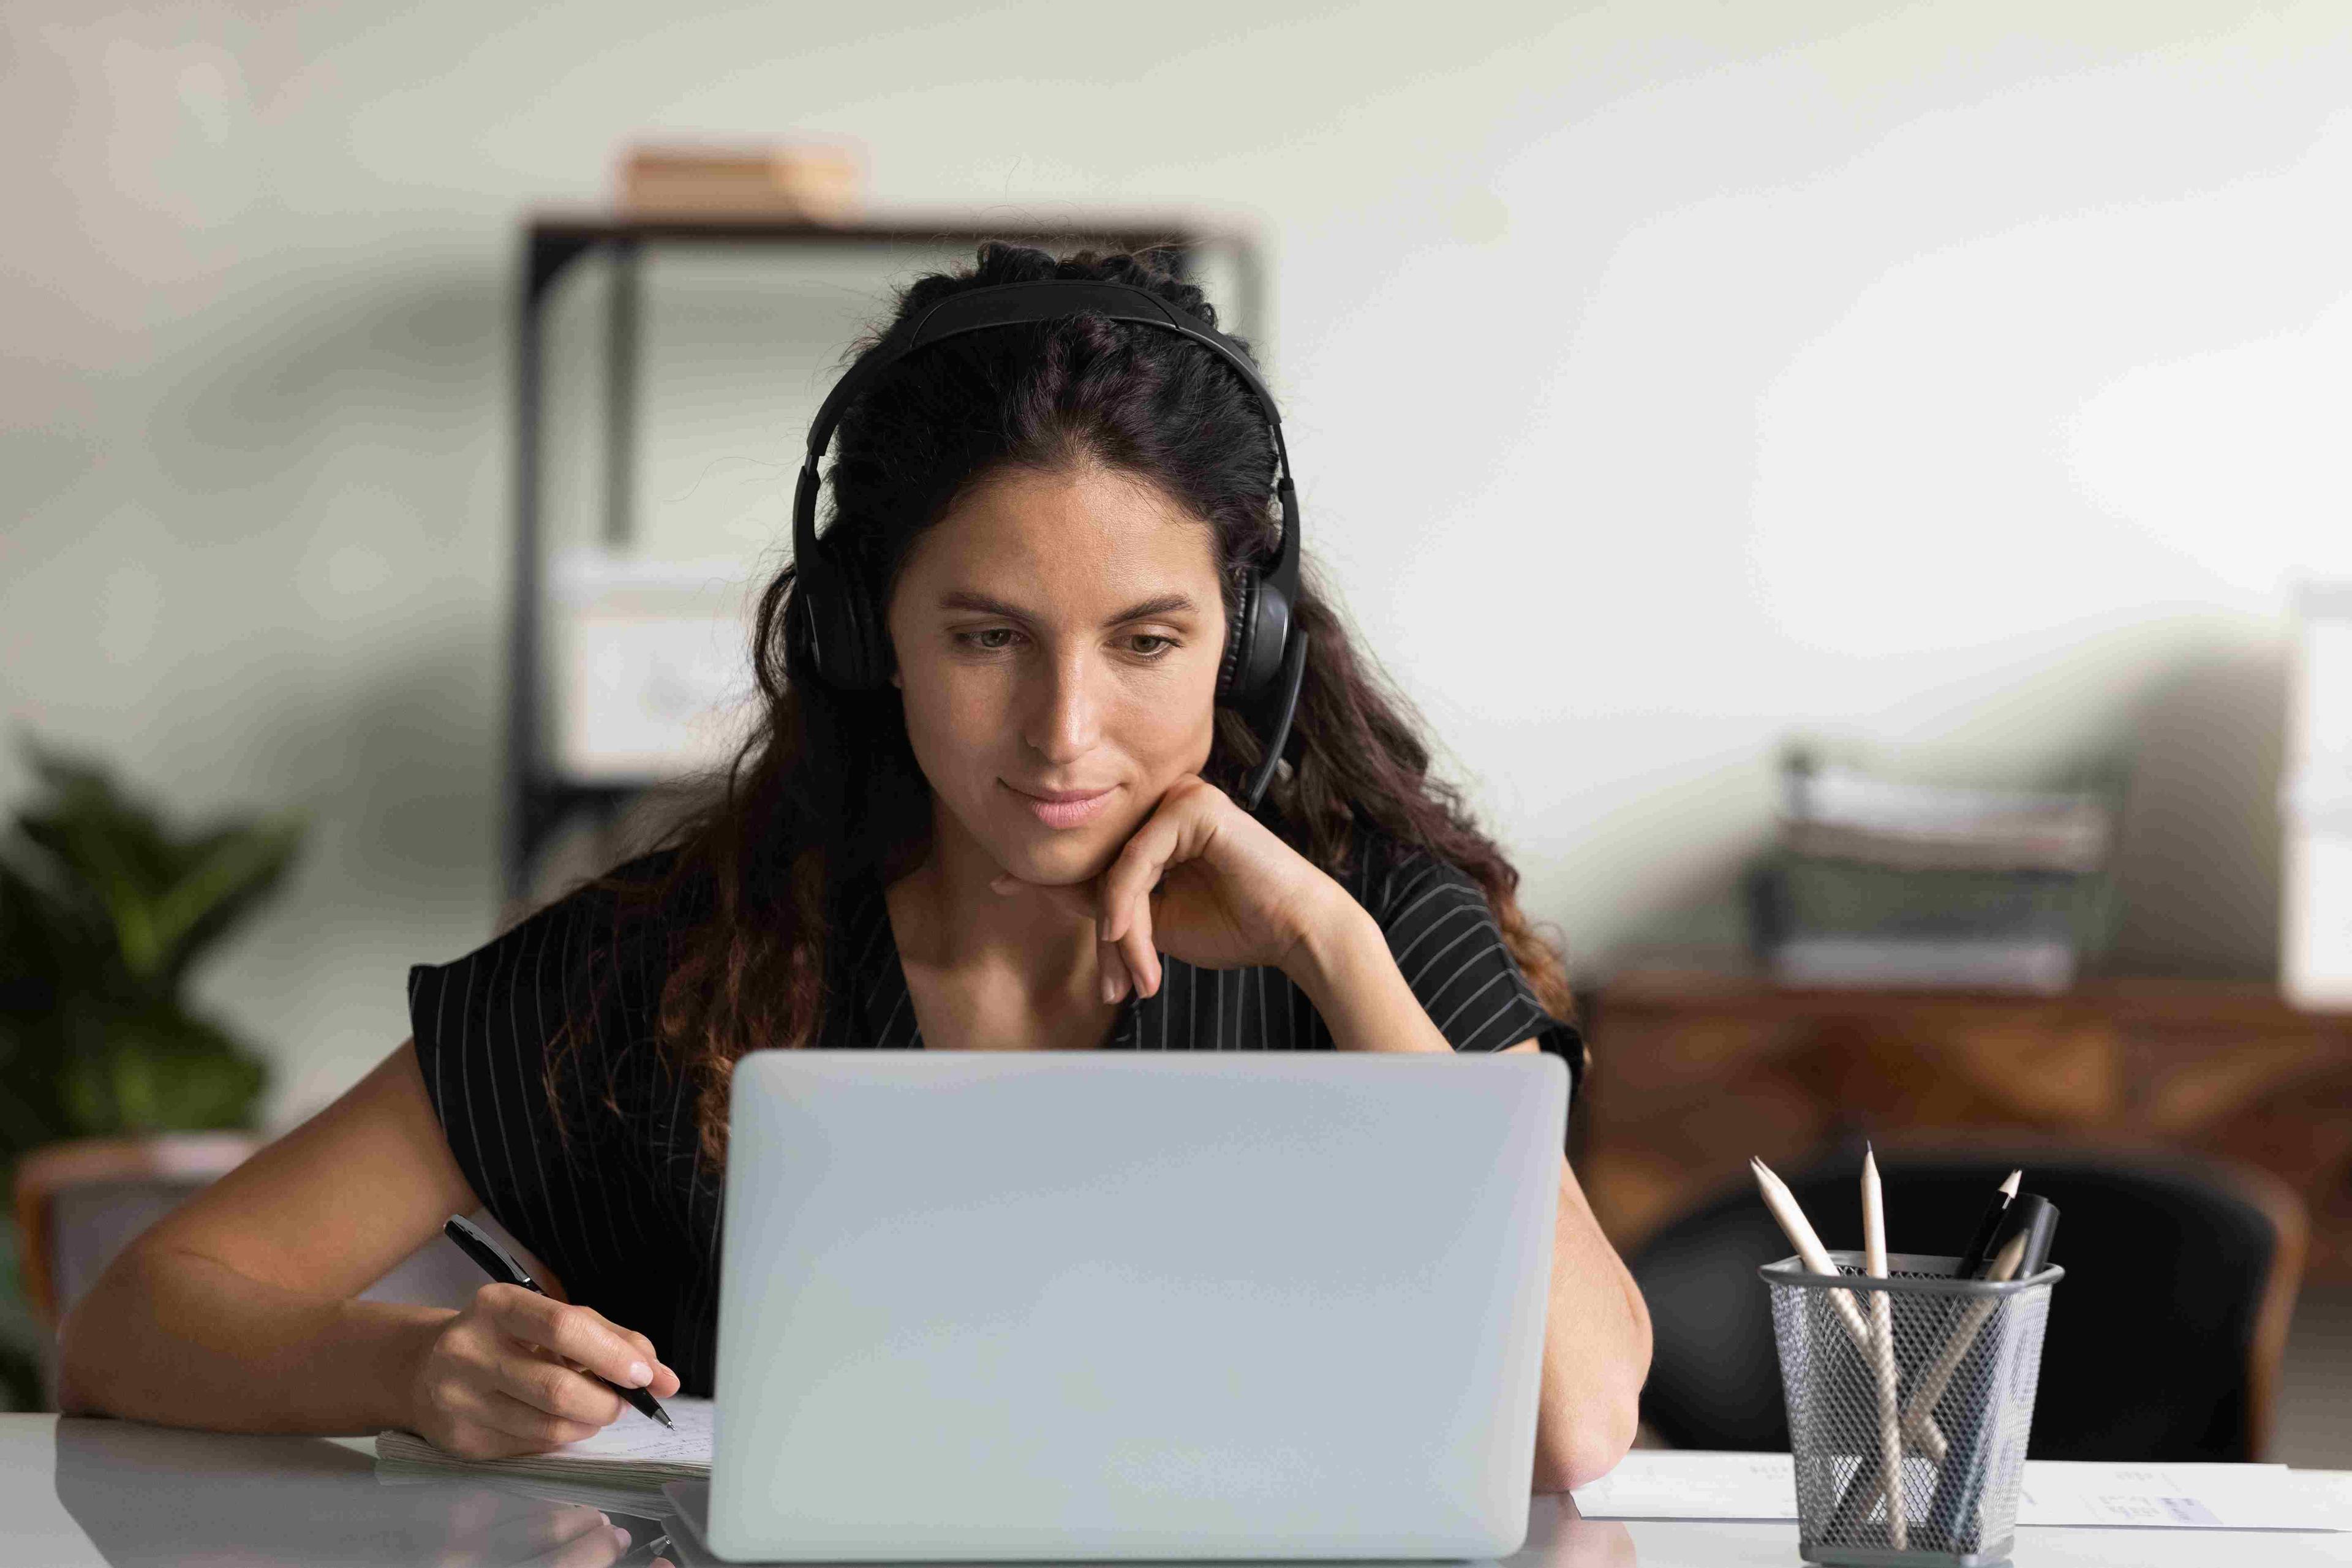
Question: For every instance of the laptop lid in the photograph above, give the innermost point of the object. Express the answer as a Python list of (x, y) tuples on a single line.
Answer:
[(1047, 1305)]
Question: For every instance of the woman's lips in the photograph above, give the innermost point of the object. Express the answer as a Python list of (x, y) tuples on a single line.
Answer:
[(1066, 812)]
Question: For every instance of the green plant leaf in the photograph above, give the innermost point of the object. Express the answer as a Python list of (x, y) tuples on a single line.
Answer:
[(235, 869), (103, 908), (166, 897), (161, 1069), (45, 936)]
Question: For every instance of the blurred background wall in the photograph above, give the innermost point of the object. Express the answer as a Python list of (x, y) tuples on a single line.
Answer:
[(1659, 377)]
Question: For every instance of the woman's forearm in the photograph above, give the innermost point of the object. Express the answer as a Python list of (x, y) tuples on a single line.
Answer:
[(1597, 1327), (1596, 1351), (184, 1340), (1343, 964)]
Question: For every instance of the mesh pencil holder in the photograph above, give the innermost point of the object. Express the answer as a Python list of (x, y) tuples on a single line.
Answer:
[(1937, 1372)]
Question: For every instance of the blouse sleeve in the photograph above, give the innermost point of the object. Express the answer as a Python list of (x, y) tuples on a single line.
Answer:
[(483, 1024), (1450, 951)]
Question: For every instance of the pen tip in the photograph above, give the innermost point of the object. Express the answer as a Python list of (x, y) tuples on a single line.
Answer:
[(2010, 1186), (665, 1420)]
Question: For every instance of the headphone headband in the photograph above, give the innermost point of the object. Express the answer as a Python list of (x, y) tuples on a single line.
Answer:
[(1016, 304)]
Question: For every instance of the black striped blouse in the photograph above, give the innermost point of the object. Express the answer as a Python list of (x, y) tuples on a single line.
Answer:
[(629, 1221)]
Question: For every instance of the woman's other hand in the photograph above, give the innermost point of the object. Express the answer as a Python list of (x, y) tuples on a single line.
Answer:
[(1202, 880), (509, 1374)]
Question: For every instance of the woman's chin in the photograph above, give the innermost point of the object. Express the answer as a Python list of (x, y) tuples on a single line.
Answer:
[(1035, 853), (1057, 860)]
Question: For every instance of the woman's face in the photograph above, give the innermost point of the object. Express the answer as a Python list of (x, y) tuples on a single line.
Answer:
[(1059, 634)]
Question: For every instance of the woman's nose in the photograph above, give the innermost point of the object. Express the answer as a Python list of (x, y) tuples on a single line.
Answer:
[(1063, 722)]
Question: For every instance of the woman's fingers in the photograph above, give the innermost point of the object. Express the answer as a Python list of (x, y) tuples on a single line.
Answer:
[(509, 1536), (1134, 951), (1145, 860), (517, 1425), (605, 1545), (1116, 980), (1134, 946), (578, 1333), (1119, 902), (646, 1348), (503, 1412), (1122, 963), (557, 1389)]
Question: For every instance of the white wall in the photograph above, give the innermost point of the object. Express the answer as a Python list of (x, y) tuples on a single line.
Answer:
[(1661, 377)]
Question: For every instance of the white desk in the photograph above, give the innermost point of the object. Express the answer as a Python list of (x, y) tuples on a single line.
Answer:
[(77, 1492)]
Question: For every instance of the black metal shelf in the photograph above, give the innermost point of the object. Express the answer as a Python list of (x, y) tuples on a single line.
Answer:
[(537, 800)]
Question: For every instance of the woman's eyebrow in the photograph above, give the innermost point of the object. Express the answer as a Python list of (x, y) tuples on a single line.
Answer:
[(1163, 604)]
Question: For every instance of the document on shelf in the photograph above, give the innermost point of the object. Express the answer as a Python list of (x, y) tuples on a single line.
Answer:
[(1653, 1483), (633, 1451)]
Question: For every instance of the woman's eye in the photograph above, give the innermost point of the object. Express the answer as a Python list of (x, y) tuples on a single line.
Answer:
[(996, 639)]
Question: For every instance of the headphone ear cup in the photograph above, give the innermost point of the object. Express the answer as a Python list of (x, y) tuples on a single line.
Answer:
[(1269, 640), (866, 666), (838, 618), (1233, 672)]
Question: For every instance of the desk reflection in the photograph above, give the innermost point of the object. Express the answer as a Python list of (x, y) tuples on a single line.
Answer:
[(158, 1495), (1556, 1538)]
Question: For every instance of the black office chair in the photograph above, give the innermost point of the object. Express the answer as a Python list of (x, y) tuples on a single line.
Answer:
[(2164, 1338)]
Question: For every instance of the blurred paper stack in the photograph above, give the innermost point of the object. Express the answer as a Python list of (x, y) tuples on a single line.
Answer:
[(1884, 877), (2315, 806)]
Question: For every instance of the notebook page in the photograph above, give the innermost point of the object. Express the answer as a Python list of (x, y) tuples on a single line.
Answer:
[(633, 1450), (634, 1438)]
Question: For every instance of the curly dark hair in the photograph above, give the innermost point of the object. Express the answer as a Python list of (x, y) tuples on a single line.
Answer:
[(827, 783)]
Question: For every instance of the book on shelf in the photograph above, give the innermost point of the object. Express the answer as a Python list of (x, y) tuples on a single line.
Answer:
[(821, 182)]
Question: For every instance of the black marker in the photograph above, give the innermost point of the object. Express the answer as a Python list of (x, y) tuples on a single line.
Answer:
[(1956, 1514), (503, 1269), (2035, 1219)]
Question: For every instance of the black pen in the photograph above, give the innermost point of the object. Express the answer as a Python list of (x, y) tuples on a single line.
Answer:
[(500, 1266), (1973, 1261), (645, 1553)]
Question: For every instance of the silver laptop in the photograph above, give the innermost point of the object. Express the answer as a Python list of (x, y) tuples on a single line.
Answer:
[(1091, 1305)]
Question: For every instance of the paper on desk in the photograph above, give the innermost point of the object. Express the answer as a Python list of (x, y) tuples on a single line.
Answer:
[(633, 1451), (2213, 1497), (1657, 1483), (1669, 1484)]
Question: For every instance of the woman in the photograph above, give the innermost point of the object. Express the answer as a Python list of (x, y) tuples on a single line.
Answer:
[(1027, 840)]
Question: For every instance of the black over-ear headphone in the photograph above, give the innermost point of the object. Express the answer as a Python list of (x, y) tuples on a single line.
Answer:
[(838, 617)]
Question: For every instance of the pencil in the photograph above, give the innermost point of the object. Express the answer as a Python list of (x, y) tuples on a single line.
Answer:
[(1882, 1327), (1810, 1250)]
